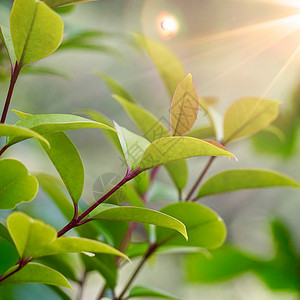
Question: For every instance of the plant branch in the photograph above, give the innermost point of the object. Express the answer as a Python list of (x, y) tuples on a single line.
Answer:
[(21, 264), (81, 284), (132, 225), (13, 79), (76, 220), (102, 292), (190, 194), (5, 147), (150, 251)]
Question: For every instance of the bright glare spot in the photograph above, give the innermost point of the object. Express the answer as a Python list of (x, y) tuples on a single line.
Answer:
[(167, 25)]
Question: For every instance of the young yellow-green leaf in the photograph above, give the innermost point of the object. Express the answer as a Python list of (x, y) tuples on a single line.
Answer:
[(233, 180), (115, 87), (204, 132), (7, 41), (21, 114), (142, 215), (14, 131), (67, 161), (184, 107), (76, 244), (36, 273), (29, 234), (36, 239), (133, 146), (247, 116), (143, 291), (204, 227), (170, 149), (36, 30), (154, 129), (58, 3), (51, 123), (16, 185), (167, 64)]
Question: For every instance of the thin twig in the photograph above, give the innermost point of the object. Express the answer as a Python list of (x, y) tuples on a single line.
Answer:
[(150, 251), (14, 76), (81, 284), (102, 292), (77, 221), (190, 194)]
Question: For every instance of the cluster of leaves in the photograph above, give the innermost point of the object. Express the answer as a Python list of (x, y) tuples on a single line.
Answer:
[(105, 229), (280, 273)]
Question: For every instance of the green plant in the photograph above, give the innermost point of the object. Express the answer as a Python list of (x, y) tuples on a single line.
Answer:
[(35, 32)]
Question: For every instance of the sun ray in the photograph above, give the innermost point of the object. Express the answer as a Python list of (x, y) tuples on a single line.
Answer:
[(281, 71), (293, 20), (247, 59)]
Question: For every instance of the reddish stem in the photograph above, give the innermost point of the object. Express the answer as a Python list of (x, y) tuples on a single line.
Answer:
[(13, 79), (76, 220)]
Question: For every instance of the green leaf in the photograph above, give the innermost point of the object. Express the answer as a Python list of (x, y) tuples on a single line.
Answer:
[(64, 9), (115, 87), (133, 146), (170, 149), (184, 107), (220, 265), (29, 235), (204, 132), (43, 70), (143, 291), (85, 40), (52, 123), (178, 172), (21, 114), (105, 265), (8, 256), (67, 161), (149, 125), (133, 197), (233, 180), (36, 273), (142, 215), (166, 62), (4, 233), (36, 239), (62, 263), (7, 41), (16, 185), (14, 131), (142, 182), (36, 30), (76, 244), (54, 188), (247, 116), (152, 130), (205, 228), (268, 143), (98, 117), (57, 3)]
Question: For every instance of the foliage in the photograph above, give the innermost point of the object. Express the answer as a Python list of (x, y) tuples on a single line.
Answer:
[(104, 229), (278, 272)]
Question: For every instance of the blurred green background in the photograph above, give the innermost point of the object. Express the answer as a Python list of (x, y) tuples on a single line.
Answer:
[(233, 49)]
